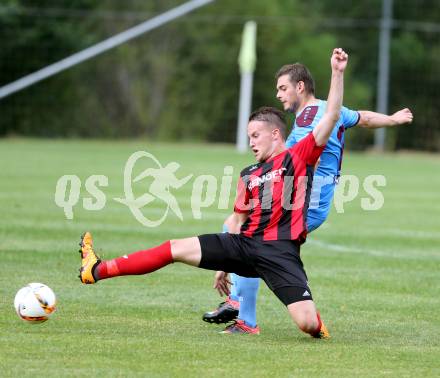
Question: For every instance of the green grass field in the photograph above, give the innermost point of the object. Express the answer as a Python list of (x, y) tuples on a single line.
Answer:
[(375, 275)]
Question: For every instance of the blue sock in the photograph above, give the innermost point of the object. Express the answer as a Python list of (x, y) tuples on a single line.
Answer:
[(247, 290), (234, 287)]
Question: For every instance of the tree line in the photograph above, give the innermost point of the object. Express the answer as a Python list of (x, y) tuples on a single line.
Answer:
[(181, 81)]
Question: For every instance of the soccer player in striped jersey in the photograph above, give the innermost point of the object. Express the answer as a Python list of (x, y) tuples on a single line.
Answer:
[(268, 224), (296, 92)]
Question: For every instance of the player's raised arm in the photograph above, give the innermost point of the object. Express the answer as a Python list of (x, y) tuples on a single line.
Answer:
[(325, 126)]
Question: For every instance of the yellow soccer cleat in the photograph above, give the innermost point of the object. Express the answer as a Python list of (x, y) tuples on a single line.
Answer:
[(323, 333), (89, 260)]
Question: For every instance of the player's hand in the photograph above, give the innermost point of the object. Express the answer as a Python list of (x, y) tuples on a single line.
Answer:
[(222, 283), (339, 60), (402, 116)]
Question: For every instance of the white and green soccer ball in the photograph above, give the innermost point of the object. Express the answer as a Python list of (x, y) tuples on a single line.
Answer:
[(35, 302)]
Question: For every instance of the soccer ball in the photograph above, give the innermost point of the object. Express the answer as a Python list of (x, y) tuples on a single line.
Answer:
[(35, 302)]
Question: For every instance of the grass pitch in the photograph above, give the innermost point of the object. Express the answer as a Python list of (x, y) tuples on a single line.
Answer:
[(374, 275)]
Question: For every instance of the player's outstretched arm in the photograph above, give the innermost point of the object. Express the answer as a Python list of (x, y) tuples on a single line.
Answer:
[(325, 126), (373, 120)]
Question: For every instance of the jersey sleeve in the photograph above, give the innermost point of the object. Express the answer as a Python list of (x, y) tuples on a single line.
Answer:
[(242, 204), (349, 117), (307, 150), (291, 140)]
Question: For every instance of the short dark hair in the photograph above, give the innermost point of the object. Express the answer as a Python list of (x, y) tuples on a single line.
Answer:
[(271, 116), (298, 72)]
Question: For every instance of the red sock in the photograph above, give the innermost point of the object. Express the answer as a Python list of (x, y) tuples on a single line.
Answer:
[(141, 262), (318, 329)]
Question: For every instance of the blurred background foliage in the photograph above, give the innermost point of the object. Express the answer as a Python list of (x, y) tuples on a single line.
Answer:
[(181, 81)]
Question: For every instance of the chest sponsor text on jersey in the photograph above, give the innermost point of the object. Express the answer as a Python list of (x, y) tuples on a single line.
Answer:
[(257, 181)]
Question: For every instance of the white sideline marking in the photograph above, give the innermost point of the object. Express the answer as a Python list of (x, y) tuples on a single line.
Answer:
[(415, 255)]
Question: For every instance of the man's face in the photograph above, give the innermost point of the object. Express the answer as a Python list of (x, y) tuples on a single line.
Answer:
[(288, 94), (261, 139)]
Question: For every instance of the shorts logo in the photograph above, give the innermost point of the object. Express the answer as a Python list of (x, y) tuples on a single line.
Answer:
[(306, 294)]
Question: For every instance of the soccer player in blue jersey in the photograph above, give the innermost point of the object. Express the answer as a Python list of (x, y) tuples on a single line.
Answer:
[(296, 92)]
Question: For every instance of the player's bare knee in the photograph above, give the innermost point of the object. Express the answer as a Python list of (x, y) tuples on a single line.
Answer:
[(309, 322), (176, 249), (309, 326), (305, 319), (303, 323), (186, 251)]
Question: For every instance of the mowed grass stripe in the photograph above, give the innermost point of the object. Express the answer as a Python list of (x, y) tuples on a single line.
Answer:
[(377, 289)]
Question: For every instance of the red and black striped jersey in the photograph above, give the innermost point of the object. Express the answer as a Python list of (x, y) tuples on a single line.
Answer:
[(276, 193)]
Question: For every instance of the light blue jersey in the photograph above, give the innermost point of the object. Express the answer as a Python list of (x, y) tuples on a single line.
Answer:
[(328, 171)]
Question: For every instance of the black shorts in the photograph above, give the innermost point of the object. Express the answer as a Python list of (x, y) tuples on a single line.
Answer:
[(277, 262)]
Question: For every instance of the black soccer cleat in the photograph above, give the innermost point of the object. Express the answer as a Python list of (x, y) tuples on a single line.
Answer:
[(225, 312)]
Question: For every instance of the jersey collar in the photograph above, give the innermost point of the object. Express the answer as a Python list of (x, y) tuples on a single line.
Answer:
[(316, 102)]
